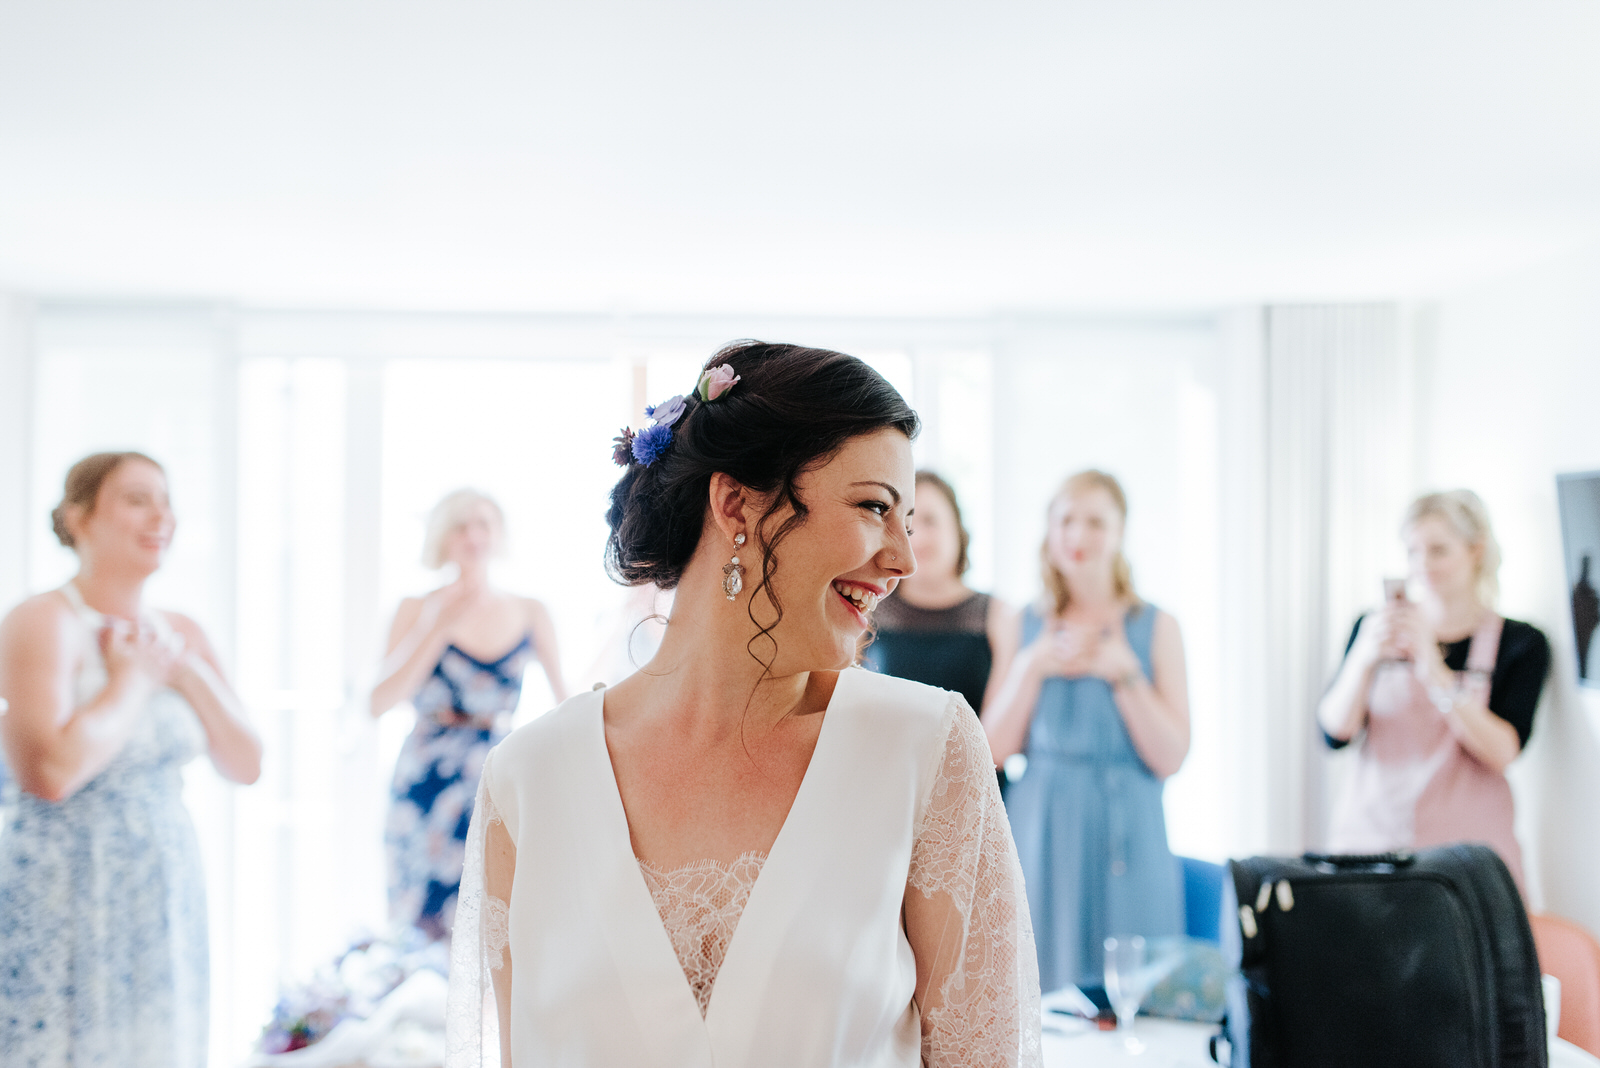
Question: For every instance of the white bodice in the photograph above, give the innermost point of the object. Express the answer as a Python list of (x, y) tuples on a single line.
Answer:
[(799, 959)]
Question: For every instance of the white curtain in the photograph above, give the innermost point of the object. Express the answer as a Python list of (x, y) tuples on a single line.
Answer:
[(1338, 467)]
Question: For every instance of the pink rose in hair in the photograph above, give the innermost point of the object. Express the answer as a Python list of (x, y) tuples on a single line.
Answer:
[(717, 381)]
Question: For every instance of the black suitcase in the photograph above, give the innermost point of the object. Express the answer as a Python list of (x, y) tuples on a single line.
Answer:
[(1418, 960)]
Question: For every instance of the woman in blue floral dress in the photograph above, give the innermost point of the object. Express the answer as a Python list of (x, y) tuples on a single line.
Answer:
[(103, 953), (459, 654)]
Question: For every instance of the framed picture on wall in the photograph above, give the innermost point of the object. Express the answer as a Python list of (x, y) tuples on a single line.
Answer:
[(1579, 496)]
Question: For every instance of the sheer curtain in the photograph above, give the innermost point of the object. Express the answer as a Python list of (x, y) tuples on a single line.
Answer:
[(1339, 465)]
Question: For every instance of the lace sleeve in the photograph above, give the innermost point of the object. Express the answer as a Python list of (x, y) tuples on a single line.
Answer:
[(477, 1034), (977, 975)]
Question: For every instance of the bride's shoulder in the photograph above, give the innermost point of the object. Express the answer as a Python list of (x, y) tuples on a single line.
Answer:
[(565, 725), (885, 696)]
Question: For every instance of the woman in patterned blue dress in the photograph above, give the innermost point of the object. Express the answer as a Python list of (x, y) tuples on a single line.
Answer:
[(103, 953), (458, 654), (1098, 702)]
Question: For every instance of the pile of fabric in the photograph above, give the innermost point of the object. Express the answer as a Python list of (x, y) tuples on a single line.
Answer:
[(379, 1005)]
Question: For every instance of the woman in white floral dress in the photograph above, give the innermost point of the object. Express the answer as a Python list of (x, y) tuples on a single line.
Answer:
[(748, 853), (103, 955)]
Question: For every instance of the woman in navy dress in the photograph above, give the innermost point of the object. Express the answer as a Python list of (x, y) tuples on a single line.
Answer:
[(1097, 701), (458, 654)]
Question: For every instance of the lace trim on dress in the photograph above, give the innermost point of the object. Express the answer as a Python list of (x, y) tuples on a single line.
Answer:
[(496, 931), (700, 904), (985, 1009), (982, 1011), (478, 947)]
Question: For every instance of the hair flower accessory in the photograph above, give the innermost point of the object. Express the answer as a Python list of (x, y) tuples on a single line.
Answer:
[(651, 442), (647, 445), (715, 382), (667, 412), (622, 449)]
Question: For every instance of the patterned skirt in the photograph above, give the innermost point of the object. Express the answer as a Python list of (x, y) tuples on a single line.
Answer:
[(103, 953), (435, 782)]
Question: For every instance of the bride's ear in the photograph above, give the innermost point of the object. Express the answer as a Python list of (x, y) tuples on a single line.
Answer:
[(731, 505)]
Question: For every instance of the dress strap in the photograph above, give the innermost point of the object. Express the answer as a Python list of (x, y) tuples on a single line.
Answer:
[(1485, 647), (156, 620), (74, 597), (1032, 623)]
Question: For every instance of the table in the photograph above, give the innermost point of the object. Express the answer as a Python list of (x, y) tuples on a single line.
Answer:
[(1179, 1044), (1168, 1044)]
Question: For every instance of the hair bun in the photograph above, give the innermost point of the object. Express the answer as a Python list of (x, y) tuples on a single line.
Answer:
[(58, 524)]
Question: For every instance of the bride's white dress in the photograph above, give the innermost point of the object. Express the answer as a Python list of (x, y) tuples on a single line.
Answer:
[(798, 958)]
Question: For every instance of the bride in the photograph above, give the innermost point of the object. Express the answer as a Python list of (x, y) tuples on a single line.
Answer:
[(748, 853)]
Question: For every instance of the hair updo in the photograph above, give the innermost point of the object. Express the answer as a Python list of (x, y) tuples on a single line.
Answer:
[(791, 411), (82, 488)]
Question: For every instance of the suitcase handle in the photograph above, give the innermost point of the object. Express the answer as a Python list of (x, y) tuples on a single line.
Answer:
[(1397, 859)]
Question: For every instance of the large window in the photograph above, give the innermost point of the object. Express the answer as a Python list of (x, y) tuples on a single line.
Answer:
[(306, 450)]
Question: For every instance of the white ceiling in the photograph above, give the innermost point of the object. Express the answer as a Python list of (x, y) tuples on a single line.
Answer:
[(869, 157)]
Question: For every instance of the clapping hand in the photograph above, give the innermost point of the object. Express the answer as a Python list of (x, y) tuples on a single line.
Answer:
[(1083, 650), (138, 652)]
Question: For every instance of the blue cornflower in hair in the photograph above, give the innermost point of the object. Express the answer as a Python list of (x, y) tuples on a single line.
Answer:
[(651, 442)]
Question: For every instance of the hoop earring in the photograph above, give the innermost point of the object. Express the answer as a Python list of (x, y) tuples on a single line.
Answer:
[(732, 573)]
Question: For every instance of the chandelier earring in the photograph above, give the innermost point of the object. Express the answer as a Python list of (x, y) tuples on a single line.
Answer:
[(732, 573)]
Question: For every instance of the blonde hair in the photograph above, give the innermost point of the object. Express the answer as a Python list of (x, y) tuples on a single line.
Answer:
[(1463, 512), (1057, 595), (450, 513)]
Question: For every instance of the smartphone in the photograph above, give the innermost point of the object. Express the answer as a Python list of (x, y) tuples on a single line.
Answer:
[(1394, 589)]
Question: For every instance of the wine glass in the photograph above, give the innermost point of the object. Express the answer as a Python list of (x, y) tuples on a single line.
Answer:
[(1127, 982)]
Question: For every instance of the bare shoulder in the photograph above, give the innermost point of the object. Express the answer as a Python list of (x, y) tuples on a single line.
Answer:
[(184, 625), (534, 611), (1002, 616), (1166, 626), (194, 636), (43, 620), (407, 612)]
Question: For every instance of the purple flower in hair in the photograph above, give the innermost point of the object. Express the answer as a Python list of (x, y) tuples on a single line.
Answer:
[(667, 412), (651, 442), (622, 450)]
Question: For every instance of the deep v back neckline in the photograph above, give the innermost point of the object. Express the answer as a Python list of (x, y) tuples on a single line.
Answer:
[(766, 895)]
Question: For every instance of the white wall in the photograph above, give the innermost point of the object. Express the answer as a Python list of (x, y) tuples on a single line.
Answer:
[(1507, 392), (16, 427)]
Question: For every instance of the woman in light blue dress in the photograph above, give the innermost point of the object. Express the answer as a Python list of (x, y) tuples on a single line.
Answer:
[(1097, 701), (459, 654), (103, 953)]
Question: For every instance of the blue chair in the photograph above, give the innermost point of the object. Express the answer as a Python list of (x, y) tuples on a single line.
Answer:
[(1202, 898)]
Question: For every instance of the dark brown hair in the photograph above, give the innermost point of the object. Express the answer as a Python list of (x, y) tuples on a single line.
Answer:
[(82, 488), (964, 538), (792, 410)]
